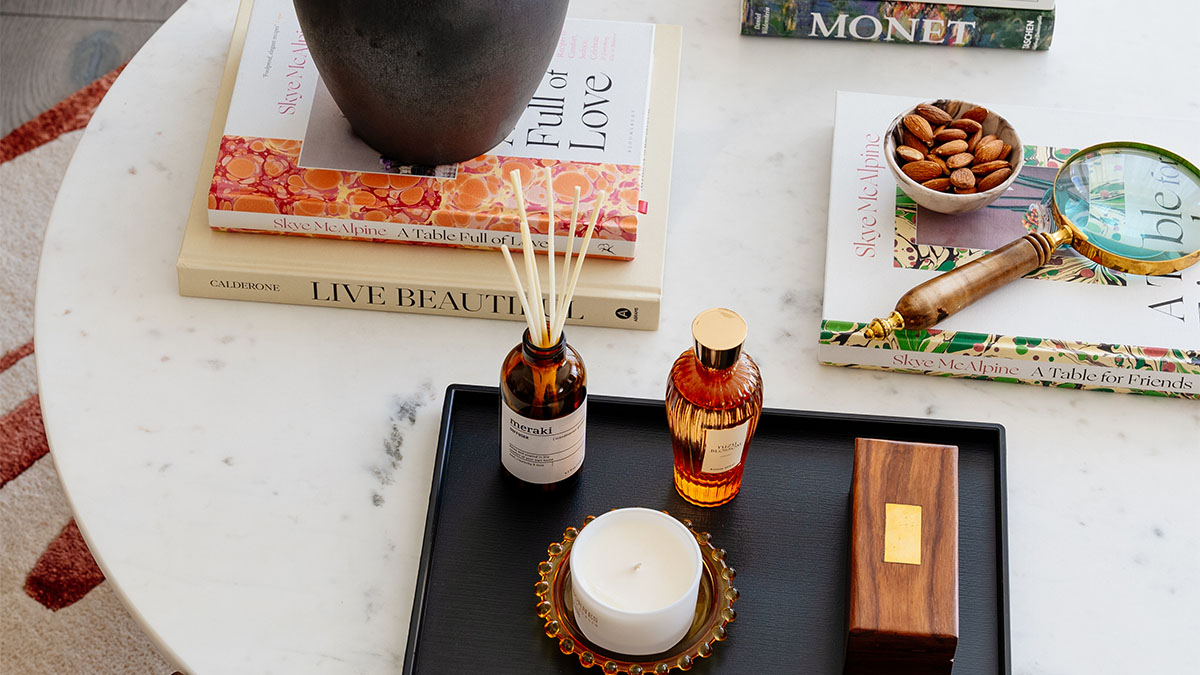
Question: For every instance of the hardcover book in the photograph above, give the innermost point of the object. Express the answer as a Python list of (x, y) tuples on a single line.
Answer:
[(429, 280), (1071, 323), (289, 163), (1010, 4), (1005, 24)]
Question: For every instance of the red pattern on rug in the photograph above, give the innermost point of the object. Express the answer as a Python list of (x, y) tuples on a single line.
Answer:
[(10, 359), (22, 439), (65, 572), (71, 113)]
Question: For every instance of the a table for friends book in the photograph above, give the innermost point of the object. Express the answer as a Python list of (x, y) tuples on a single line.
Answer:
[(1072, 323)]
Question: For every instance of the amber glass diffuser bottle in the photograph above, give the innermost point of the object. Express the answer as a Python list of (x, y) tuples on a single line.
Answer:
[(543, 383), (714, 398), (543, 414)]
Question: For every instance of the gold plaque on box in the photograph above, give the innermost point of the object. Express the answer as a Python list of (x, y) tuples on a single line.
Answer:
[(902, 534)]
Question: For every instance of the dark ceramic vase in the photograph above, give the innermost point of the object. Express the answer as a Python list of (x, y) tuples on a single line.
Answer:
[(432, 81)]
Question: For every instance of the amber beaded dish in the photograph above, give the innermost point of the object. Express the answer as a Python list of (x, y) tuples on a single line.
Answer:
[(714, 609)]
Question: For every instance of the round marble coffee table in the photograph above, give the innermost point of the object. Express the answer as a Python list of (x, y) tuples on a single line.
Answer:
[(253, 478)]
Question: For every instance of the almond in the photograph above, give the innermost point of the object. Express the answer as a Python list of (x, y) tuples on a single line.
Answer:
[(912, 141), (950, 148), (950, 135), (988, 167), (920, 128), (934, 114), (978, 114), (974, 142), (994, 178), (938, 184), (940, 162), (990, 151), (988, 138), (965, 191), (1006, 151), (969, 126), (960, 160), (962, 179), (909, 154), (922, 170)]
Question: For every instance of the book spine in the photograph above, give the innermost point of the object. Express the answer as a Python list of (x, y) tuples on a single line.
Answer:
[(326, 290), (900, 22), (370, 230), (1046, 374)]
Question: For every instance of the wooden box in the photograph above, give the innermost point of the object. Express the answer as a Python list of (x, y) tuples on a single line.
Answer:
[(903, 590)]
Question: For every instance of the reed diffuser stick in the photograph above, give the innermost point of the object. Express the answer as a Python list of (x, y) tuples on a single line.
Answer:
[(540, 336), (550, 228), (566, 271), (512, 269), (567, 260), (556, 330)]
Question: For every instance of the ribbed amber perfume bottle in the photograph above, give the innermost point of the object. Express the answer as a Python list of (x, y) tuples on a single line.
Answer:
[(543, 414), (714, 398)]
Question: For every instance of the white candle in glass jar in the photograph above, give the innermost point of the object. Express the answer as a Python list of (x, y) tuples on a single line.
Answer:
[(635, 577)]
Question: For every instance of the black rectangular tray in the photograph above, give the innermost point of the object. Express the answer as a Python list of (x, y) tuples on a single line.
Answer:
[(787, 534)]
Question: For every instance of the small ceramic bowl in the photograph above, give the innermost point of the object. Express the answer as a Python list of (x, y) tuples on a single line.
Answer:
[(950, 202)]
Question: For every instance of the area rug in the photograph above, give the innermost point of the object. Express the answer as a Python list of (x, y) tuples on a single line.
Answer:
[(57, 613)]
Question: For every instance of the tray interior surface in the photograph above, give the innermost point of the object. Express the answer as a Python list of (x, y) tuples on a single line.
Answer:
[(786, 534)]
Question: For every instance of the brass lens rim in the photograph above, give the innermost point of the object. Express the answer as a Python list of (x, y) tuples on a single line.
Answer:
[(1079, 241)]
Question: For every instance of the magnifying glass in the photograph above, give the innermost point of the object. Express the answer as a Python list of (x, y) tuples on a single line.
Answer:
[(1129, 206)]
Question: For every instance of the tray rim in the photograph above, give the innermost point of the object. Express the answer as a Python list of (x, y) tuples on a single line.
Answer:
[(445, 432)]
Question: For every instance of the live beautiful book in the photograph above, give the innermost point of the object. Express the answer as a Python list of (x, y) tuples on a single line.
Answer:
[(428, 279), (1072, 323), (290, 164)]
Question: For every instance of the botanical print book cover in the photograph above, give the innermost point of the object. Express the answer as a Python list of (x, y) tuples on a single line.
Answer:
[(1070, 323), (1004, 24), (289, 163)]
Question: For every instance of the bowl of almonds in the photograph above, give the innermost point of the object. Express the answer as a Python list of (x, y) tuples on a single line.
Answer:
[(953, 156)]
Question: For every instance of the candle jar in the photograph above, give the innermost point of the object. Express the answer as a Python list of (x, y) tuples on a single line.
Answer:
[(635, 578), (714, 398), (543, 414)]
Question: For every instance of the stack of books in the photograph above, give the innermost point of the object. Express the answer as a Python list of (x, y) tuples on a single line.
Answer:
[(1004, 24), (282, 160)]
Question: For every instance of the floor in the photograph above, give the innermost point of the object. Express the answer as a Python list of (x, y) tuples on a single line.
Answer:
[(51, 48)]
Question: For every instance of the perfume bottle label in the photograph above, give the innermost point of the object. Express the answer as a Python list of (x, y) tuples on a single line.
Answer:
[(542, 451), (723, 448)]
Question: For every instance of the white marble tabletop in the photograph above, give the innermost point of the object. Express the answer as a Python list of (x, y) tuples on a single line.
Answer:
[(253, 477)]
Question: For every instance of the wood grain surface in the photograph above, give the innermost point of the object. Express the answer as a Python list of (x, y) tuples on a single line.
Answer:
[(943, 295), (903, 616), (50, 49)]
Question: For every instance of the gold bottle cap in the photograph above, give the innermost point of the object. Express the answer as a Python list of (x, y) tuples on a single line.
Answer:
[(718, 334)]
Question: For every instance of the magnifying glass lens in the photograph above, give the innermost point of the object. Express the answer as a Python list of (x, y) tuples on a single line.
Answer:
[(1132, 202)]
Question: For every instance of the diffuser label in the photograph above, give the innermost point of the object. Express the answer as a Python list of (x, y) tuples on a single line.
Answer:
[(723, 448), (542, 451)]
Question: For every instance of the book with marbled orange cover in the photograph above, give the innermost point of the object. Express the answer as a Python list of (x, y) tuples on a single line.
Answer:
[(289, 163)]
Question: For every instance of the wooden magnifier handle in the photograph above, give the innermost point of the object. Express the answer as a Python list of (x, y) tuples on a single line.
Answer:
[(938, 298)]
